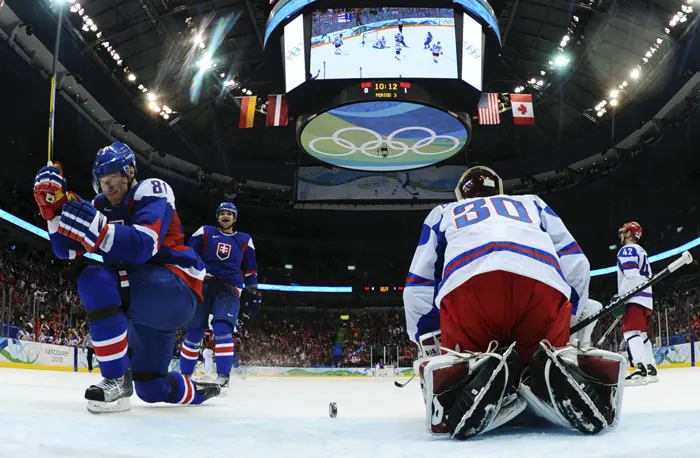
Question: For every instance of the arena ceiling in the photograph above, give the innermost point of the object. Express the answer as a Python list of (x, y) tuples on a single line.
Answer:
[(614, 51)]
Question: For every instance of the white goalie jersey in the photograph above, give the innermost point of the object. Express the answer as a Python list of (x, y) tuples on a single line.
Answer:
[(633, 269), (518, 234)]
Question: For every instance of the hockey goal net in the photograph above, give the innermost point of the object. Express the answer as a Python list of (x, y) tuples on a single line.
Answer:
[(384, 372), (370, 37)]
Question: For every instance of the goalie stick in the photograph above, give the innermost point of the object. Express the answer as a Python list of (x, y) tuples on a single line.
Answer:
[(401, 385), (617, 301)]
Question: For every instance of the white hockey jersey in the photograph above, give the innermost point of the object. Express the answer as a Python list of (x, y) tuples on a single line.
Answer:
[(633, 269), (518, 234)]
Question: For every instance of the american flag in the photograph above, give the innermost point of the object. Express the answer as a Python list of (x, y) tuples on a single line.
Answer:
[(488, 109)]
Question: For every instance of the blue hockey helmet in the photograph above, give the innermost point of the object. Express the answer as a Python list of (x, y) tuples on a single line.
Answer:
[(226, 206), (116, 157)]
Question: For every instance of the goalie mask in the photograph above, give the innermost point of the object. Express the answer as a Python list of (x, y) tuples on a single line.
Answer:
[(479, 181)]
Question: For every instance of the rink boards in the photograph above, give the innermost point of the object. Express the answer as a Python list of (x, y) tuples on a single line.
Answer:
[(23, 354)]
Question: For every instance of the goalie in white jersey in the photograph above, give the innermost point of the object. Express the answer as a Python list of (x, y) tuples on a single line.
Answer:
[(492, 267), (633, 270)]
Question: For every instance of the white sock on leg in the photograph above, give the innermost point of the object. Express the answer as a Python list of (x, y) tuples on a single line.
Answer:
[(648, 351), (635, 343)]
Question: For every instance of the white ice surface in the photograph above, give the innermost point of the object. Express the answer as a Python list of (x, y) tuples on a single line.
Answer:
[(42, 414), (357, 61)]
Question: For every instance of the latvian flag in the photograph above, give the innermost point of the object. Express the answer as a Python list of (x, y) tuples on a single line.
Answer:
[(523, 113), (247, 111), (277, 109)]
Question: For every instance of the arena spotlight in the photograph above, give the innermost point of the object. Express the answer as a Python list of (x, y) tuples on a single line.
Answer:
[(205, 62), (561, 60), (634, 74)]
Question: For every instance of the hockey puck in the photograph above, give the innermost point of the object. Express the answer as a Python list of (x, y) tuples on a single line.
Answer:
[(332, 410)]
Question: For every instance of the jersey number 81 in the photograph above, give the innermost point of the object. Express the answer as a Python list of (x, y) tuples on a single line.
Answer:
[(475, 211)]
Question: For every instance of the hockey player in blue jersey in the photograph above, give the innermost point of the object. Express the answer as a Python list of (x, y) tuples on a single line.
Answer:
[(399, 39), (428, 39), (231, 267), (145, 290)]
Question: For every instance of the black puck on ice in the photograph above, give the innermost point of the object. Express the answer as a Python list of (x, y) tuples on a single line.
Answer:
[(332, 410)]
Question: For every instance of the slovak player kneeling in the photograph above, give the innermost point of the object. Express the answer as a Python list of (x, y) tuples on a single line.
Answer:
[(493, 288)]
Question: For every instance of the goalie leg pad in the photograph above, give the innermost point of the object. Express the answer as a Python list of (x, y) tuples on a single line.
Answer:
[(479, 401), (576, 388), (441, 377)]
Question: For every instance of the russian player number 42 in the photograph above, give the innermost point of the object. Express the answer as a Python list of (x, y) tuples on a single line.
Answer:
[(476, 211)]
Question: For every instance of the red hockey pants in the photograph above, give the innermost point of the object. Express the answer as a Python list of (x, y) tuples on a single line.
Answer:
[(505, 307)]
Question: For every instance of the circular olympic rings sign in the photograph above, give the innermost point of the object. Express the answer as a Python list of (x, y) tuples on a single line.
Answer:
[(370, 147)]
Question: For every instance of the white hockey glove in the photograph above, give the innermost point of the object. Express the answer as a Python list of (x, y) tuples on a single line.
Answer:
[(582, 338)]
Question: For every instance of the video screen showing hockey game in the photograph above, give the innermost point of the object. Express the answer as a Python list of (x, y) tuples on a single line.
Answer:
[(383, 43)]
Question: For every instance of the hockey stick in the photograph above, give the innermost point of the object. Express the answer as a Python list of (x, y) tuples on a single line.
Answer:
[(401, 385), (609, 330), (617, 301)]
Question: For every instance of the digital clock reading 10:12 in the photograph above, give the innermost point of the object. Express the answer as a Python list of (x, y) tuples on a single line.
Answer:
[(385, 90)]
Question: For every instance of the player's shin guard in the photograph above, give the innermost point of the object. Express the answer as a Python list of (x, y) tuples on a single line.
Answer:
[(223, 334), (174, 388), (189, 352), (575, 388), (465, 393)]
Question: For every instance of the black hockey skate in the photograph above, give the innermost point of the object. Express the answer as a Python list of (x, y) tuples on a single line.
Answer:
[(639, 377), (111, 394), (478, 402), (652, 375)]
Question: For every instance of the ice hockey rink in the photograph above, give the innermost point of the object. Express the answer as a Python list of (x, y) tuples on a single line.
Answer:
[(42, 414), (357, 61)]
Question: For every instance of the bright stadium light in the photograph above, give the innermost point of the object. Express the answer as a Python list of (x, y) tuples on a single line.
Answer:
[(131, 77), (205, 62), (152, 97), (561, 60), (634, 74)]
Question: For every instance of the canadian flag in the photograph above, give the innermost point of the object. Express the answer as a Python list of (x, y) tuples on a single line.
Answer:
[(523, 112), (277, 110)]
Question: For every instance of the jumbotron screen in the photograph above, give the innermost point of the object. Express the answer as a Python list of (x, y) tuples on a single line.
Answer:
[(383, 43)]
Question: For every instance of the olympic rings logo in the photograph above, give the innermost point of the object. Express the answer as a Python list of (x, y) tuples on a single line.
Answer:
[(369, 148), (294, 52), (472, 51)]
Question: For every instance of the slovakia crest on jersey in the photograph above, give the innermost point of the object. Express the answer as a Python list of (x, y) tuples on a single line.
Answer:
[(223, 251)]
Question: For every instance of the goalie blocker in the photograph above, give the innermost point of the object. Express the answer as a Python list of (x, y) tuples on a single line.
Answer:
[(467, 394)]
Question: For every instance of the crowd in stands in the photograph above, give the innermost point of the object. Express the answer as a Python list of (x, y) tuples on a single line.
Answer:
[(38, 298), (38, 301)]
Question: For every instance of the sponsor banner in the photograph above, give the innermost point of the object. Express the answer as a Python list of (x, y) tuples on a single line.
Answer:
[(674, 355), (432, 183), (29, 353)]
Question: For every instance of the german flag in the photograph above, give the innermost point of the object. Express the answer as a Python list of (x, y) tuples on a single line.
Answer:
[(247, 111)]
